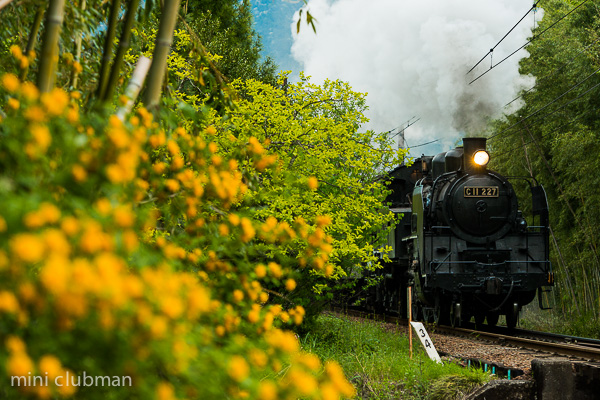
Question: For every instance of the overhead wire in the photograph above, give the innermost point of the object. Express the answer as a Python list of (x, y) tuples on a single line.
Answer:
[(408, 125), (556, 70), (423, 144), (531, 40), (552, 102), (504, 37)]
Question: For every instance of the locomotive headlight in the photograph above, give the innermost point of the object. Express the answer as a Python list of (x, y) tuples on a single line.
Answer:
[(481, 158)]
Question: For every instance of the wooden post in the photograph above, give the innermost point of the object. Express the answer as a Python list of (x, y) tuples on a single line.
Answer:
[(135, 85), (410, 320)]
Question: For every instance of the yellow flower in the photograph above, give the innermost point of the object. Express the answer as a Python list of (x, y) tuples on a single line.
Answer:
[(13, 103), (284, 340), (336, 374), (49, 212), (248, 230), (172, 307), (275, 269), (27, 292), (238, 368), (198, 302), (158, 327), (16, 51), (312, 183), (220, 331), (8, 302), (115, 173), (103, 206), (70, 225), (10, 82), (165, 391), (55, 274), (15, 344), (119, 137), (56, 242), (290, 285), (35, 114), (211, 130), (67, 389), (55, 102), (2, 224), (130, 240), (329, 392), (254, 314), (77, 67), (73, 115), (254, 146), (267, 390), (42, 136), (172, 185), (30, 91), (304, 382), (50, 365), (223, 230), (123, 216), (238, 295), (19, 364), (29, 248), (79, 173), (260, 271)]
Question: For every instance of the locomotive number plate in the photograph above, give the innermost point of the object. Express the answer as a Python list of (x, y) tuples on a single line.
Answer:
[(481, 191)]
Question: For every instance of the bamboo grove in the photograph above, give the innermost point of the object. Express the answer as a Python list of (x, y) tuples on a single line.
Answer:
[(554, 138)]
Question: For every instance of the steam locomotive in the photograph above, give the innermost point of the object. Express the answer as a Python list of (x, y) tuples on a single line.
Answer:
[(462, 243)]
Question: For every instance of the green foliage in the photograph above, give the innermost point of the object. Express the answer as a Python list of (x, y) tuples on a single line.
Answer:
[(376, 359), (314, 133), (557, 143), (225, 28)]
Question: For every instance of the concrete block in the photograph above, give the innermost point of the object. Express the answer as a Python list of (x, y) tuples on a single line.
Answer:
[(503, 389)]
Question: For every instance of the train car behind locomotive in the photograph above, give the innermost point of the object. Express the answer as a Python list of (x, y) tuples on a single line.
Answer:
[(462, 242)]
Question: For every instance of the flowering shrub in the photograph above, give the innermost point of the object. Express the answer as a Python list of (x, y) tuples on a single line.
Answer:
[(130, 253)]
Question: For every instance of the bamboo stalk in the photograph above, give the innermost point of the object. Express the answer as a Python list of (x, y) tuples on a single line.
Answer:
[(49, 56), (77, 57), (564, 265), (135, 84), (108, 47), (162, 48), (4, 3), (35, 28), (123, 47)]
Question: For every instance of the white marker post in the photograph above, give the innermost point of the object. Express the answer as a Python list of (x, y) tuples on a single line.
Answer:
[(426, 341)]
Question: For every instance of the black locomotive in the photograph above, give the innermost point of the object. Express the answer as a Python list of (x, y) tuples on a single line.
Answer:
[(462, 243)]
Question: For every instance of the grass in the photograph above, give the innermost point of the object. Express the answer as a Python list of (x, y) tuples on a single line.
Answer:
[(377, 361), (555, 321)]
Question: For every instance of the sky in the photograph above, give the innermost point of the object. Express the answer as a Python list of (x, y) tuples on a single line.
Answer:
[(410, 57)]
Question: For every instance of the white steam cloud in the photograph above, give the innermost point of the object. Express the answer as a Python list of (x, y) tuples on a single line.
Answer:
[(411, 57)]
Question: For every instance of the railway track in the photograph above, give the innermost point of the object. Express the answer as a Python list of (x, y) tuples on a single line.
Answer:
[(553, 344)]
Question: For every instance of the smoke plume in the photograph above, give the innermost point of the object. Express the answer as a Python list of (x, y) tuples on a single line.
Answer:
[(412, 58)]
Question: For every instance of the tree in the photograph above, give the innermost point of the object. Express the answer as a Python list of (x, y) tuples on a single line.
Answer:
[(314, 132)]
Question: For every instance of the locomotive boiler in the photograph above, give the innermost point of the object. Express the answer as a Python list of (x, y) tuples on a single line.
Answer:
[(462, 241)]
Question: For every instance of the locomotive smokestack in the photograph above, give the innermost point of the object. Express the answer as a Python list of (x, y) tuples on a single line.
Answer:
[(471, 147)]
